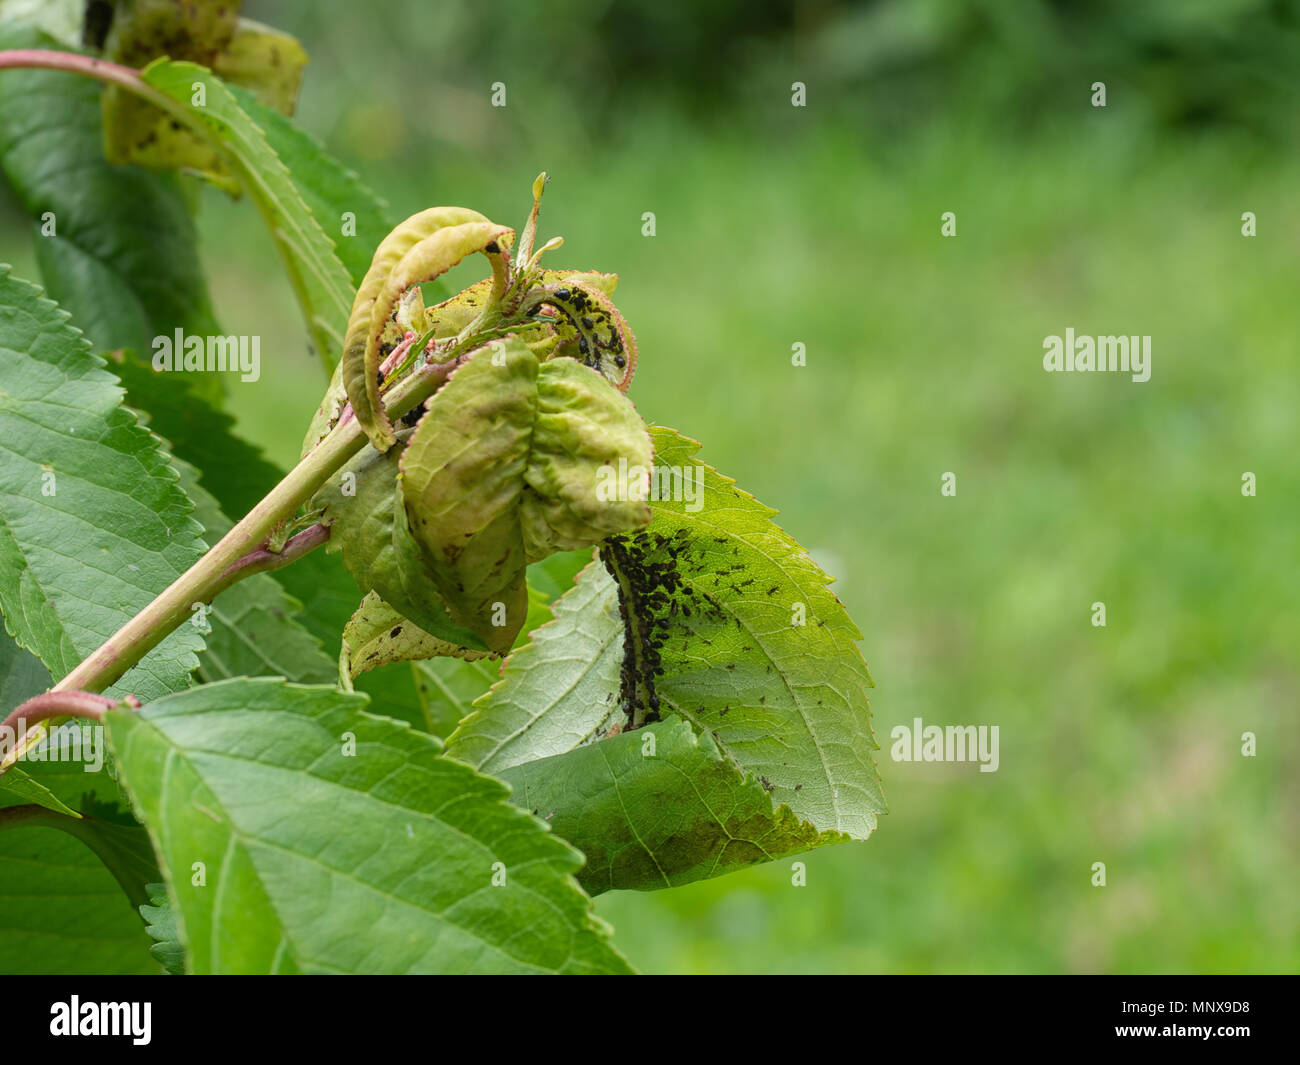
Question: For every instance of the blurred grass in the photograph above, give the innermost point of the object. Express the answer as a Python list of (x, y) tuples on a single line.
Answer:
[(1119, 744)]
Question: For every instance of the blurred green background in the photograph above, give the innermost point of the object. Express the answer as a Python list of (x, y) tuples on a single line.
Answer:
[(821, 225)]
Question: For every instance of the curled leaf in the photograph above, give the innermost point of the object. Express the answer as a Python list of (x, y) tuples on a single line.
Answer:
[(377, 635), (424, 246), (511, 463), (590, 328), (585, 433), (607, 283), (462, 475), (266, 61), (369, 526)]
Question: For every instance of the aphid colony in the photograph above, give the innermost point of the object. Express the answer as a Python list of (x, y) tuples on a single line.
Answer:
[(653, 600), (585, 317)]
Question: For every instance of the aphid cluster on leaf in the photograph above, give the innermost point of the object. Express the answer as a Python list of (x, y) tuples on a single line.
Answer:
[(643, 593), (590, 329), (655, 601)]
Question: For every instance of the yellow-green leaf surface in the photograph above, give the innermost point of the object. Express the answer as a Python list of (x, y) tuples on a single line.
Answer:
[(559, 690), (264, 60), (420, 249), (731, 626), (462, 479), (377, 635), (368, 524), (585, 431), (660, 807), (505, 468)]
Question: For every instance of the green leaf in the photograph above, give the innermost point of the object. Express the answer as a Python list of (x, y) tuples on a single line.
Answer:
[(712, 592), (554, 575), (254, 633), (785, 700), (116, 838), (232, 470), (345, 208), (447, 688), (251, 630), (21, 677), (368, 525), (322, 860), (320, 281), (61, 909), (505, 468), (161, 924), (558, 691), (679, 813), (69, 888), (377, 635), (123, 257), (93, 524), (20, 786)]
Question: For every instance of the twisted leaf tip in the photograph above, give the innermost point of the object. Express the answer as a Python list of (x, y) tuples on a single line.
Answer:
[(554, 312)]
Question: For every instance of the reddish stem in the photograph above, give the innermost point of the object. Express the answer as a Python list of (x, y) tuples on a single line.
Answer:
[(263, 559), (64, 704), (74, 63)]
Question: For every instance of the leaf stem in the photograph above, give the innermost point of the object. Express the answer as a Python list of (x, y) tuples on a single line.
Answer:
[(87, 67), (25, 722), (64, 704), (242, 551), (264, 559)]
